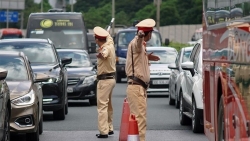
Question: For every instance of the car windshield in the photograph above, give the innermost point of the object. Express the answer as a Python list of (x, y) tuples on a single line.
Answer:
[(186, 55), (41, 53), (61, 38), (79, 59), (166, 57), (16, 68), (124, 38)]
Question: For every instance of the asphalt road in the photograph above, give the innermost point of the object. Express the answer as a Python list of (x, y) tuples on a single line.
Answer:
[(81, 122)]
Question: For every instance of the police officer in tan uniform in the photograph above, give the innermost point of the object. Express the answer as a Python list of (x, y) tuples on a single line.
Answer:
[(106, 81), (137, 71)]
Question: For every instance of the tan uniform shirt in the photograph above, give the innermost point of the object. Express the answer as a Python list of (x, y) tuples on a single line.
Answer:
[(106, 65), (141, 63)]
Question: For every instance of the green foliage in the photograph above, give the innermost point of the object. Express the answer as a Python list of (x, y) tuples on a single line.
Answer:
[(177, 45)]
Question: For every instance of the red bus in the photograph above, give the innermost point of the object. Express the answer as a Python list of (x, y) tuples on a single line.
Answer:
[(9, 33), (226, 69)]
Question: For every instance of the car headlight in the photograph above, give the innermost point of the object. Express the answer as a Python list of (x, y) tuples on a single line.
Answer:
[(53, 80), (88, 80), (24, 100), (121, 60)]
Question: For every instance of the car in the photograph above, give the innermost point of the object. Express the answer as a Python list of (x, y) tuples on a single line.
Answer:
[(25, 94), (122, 39), (159, 72), (191, 98), (92, 45), (82, 81), (176, 75), (43, 58), (5, 106)]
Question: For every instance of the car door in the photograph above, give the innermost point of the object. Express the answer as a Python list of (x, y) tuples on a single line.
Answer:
[(2, 102), (190, 79)]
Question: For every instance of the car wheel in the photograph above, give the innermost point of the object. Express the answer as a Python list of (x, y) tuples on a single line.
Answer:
[(34, 136), (66, 108), (221, 123), (177, 102), (171, 100), (41, 125), (118, 78), (183, 118), (196, 124), (6, 136), (60, 114)]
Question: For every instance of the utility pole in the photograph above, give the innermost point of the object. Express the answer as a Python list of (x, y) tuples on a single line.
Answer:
[(158, 5), (113, 16), (64, 5), (41, 5), (72, 6)]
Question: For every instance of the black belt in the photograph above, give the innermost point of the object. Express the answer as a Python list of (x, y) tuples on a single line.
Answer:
[(138, 81), (106, 76)]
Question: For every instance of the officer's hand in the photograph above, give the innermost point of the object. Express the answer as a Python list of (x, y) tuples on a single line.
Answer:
[(141, 33), (99, 55), (152, 57)]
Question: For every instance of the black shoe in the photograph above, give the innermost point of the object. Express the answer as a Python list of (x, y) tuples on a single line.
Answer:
[(101, 136), (111, 132)]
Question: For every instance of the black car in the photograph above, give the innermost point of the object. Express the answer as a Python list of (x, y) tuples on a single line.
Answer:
[(82, 80), (44, 59), (5, 107)]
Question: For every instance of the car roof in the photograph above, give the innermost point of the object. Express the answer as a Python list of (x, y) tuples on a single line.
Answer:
[(188, 48), (161, 48), (54, 13), (64, 50), (24, 40), (12, 53)]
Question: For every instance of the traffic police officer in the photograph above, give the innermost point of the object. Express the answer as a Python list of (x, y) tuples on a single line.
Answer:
[(105, 74), (137, 71)]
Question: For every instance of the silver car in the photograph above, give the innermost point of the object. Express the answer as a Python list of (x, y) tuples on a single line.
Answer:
[(177, 75), (159, 71)]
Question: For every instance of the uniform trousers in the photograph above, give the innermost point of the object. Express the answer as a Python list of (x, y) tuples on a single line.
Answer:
[(137, 99), (104, 105)]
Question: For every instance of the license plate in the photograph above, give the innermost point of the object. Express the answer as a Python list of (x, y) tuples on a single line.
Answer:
[(70, 90), (160, 82)]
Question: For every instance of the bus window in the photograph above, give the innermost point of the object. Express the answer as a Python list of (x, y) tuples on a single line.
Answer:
[(10, 33), (65, 30)]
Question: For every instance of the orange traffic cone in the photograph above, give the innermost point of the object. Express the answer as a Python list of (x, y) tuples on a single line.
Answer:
[(124, 121), (133, 133)]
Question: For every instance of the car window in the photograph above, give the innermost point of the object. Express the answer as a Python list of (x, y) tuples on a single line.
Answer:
[(186, 56), (166, 57), (41, 53), (16, 67), (79, 59)]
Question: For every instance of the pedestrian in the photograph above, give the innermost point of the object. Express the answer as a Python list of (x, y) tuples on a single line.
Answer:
[(137, 71), (106, 81)]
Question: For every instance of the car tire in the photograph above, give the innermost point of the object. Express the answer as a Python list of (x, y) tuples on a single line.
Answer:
[(59, 114), (35, 135), (118, 78), (41, 125), (221, 122), (6, 136), (197, 127), (67, 108), (184, 120), (171, 100), (177, 102)]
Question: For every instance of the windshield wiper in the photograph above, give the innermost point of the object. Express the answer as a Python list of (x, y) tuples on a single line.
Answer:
[(54, 67)]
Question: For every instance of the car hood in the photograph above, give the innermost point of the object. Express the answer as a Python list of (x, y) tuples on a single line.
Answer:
[(122, 53), (159, 67), (18, 89), (47, 69), (80, 72)]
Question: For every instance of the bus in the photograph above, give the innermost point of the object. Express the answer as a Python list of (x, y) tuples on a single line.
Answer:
[(10, 33), (226, 70), (65, 29)]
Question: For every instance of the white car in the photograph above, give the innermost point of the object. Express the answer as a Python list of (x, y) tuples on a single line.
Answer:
[(159, 71), (177, 75), (191, 96)]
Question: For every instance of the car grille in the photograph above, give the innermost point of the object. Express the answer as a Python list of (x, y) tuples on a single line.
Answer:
[(73, 81), (159, 85)]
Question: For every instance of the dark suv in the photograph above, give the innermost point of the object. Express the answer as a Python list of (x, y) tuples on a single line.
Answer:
[(122, 39), (44, 59)]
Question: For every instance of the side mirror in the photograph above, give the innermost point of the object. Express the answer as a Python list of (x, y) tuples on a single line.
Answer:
[(66, 61), (166, 41), (172, 66), (188, 66), (41, 77), (3, 74)]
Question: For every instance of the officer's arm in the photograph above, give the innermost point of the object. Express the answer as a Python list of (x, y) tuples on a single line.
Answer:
[(138, 44), (109, 40), (105, 52)]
